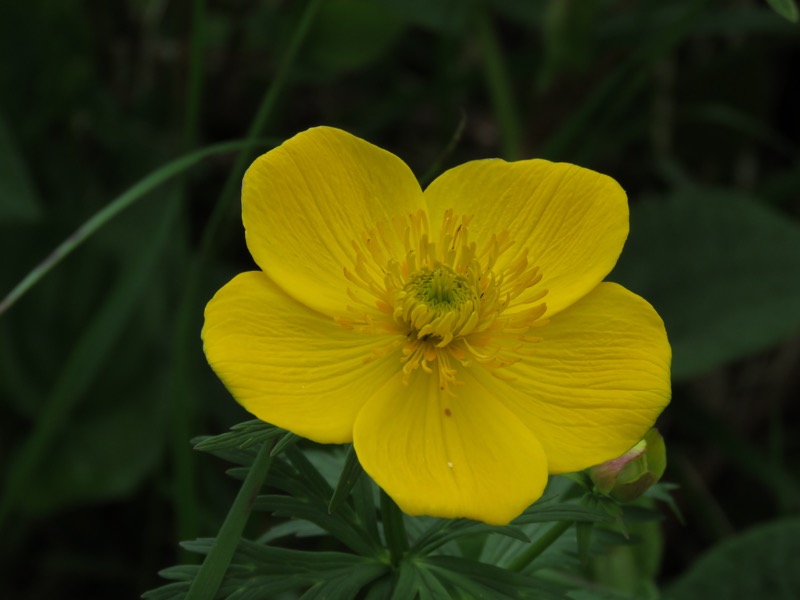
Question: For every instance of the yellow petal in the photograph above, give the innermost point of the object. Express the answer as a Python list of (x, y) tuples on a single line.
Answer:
[(572, 221), (304, 202), (449, 457), (289, 365), (594, 385)]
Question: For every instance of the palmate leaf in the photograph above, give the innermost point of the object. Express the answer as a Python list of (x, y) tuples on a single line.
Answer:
[(240, 436), (308, 496), (416, 581), (444, 531), (299, 508), (480, 580), (258, 571), (346, 584)]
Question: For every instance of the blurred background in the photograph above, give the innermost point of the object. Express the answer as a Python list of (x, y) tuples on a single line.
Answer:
[(691, 105)]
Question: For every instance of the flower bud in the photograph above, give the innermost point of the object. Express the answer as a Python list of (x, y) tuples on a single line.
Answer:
[(632, 474)]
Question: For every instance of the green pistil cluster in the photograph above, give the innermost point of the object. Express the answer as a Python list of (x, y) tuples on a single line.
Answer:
[(440, 289), (437, 305)]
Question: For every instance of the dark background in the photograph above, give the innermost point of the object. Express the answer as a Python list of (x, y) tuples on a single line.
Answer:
[(690, 105)]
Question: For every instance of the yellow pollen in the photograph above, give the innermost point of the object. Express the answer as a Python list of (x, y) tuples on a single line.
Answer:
[(443, 299)]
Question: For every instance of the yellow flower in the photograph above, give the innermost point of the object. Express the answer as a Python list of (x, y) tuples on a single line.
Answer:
[(460, 337)]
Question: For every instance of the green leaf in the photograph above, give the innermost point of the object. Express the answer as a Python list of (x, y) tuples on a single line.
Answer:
[(18, 199), (308, 498), (481, 580), (258, 571), (380, 589), (568, 36), (583, 534), (431, 587), (287, 440), (720, 269), (297, 528), (502, 551), (345, 584), (352, 34), (84, 366), (408, 582), (761, 563), (122, 202), (348, 479), (785, 8), (444, 530), (547, 511), (104, 458), (241, 436)]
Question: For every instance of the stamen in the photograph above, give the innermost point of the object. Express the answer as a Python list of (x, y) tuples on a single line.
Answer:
[(443, 297)]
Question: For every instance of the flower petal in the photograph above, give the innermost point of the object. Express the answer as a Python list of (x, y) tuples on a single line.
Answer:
[(572, 221), (304, 202), (289, 365), (464, 456), (594, 385)]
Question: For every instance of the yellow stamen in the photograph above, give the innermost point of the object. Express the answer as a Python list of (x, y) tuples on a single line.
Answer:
[(444, 297)]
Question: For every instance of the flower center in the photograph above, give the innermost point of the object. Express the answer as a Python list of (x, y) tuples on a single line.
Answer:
[(438, 304), (446, 302)]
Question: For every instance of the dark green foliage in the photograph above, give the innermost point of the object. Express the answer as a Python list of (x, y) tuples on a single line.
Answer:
[(690, 104), (760, 563)]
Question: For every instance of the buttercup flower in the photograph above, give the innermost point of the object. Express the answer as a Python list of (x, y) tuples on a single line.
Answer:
[(461, 337)]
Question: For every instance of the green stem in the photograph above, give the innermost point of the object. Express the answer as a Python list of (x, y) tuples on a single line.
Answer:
[(538, 546), (500, 89), (221, 210), (196, 62), (212, 571), (187, 516), (189, 312), (119, 204), (394, 530)]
